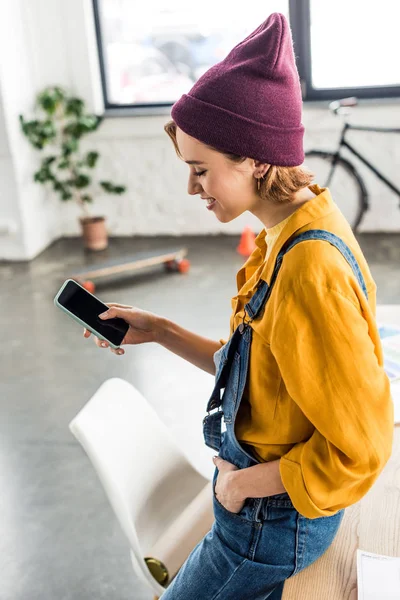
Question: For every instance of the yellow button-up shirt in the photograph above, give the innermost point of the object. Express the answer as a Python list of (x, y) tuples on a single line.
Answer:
[(317, 396)]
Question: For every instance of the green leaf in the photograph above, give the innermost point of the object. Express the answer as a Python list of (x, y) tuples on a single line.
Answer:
[(111, 188), (82, 180), (63, 164), (39, 133), (83, 125), (69, 146), (106, 185), (87, 198), (44, 174), (48, 161), (73, 129), (74, 106), (58, 186), (23, 123), (90, 122), (119, 189), (50, 99), (48, 129), (91, 159)]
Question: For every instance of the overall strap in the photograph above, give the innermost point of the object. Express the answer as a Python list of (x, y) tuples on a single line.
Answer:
[(259, 299)]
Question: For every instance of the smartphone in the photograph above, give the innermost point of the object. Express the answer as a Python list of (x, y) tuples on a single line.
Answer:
[(85, 308)]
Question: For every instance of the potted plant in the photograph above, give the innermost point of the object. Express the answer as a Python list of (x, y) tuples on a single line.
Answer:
[(57, 132)]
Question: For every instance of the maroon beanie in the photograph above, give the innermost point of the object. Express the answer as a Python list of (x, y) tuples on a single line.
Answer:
[(250, 103)]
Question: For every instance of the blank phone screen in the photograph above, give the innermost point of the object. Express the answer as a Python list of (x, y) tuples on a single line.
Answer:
[(88, 308)]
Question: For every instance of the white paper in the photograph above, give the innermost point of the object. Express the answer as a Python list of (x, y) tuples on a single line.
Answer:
[(395, 391), (390, 338), (378, 576)]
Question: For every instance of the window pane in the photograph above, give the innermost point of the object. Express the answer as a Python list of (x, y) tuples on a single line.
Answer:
[(154, 51), (355, 43)]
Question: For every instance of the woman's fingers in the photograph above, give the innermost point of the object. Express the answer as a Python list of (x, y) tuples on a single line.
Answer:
[(115, 305), (102, 343), (118, 352), (97, 341), (116, 311)]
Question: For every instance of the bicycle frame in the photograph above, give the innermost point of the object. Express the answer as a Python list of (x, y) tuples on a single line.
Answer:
[(345, 143)]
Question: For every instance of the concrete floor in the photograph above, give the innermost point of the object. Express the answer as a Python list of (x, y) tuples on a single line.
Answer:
[(59, 539)]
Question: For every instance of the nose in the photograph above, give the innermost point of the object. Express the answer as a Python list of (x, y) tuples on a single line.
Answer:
[(194, 186)]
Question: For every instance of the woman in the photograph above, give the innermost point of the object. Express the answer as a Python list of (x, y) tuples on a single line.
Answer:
[(300, 383)]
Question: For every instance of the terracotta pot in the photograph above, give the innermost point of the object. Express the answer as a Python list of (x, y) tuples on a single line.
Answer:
[(94, 232)]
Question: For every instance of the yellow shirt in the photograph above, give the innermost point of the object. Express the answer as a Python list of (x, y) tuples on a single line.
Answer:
[(317, 396), (271, 236)]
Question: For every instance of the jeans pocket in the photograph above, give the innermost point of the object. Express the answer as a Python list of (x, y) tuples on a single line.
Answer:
[(220, 507)]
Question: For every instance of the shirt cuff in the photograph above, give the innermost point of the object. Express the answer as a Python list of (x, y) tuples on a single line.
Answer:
[(293, 481)]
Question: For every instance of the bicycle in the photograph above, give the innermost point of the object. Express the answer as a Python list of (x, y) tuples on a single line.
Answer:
[(340, 175)]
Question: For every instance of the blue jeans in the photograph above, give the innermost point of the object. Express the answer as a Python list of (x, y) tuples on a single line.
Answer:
[(248, 556)]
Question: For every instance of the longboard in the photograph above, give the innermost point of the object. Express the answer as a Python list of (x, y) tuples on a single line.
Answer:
[(172, 259)]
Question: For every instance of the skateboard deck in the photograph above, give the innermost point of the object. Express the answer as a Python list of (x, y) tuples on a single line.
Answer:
[(172, 259)]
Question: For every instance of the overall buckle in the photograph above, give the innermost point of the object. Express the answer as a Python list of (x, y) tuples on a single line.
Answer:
[(212, 412)]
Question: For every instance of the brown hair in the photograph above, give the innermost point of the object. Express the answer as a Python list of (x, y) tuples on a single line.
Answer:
[(279, 183)]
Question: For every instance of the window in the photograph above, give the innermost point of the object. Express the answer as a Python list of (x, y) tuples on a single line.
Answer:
[(347, 47), (356, 56), (153, 52)]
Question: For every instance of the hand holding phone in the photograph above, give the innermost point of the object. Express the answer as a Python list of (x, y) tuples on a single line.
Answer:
[(85, 308), (142, 326)]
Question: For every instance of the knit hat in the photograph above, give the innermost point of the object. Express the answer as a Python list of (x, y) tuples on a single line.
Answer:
[(250, 103)]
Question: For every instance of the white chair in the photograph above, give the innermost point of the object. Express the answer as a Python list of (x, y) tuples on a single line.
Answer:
[(162, 503)]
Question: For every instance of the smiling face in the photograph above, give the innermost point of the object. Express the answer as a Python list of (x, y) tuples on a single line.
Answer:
[(227, 188)]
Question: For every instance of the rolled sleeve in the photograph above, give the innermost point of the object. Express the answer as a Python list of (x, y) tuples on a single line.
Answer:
[(330, 359)]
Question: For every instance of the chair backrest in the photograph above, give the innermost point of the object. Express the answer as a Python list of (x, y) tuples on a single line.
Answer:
[(145, 475)]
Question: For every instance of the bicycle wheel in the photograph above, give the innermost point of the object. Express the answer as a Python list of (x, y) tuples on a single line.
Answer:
[(345, 184)]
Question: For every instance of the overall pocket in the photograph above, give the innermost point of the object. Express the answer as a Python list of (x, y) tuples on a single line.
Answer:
[(235, 531), (220, 509)]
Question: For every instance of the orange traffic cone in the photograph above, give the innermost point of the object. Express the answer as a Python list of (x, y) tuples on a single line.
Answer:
[(247, 242)]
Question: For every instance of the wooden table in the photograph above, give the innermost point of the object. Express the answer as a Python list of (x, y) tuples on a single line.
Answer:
[(373, 524)]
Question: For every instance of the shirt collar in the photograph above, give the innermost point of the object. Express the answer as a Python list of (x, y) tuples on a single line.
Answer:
[(314, 209)]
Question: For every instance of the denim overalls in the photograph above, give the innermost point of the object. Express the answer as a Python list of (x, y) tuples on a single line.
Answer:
[(248, 556)]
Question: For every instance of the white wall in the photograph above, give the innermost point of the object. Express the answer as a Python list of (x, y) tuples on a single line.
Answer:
[(46, 42), (136, 151), (11, 232), (32, 54), (37, 48)]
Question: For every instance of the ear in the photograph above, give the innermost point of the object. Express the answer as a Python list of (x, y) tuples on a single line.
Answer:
[(260, 168)]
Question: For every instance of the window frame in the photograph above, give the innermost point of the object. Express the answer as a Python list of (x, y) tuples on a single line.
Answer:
[(299, 12), (299, 15), (109, 107)]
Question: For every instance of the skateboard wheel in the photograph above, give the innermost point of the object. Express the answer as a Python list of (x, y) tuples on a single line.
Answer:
[(171, 265), (184, 265), (89, 286)]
